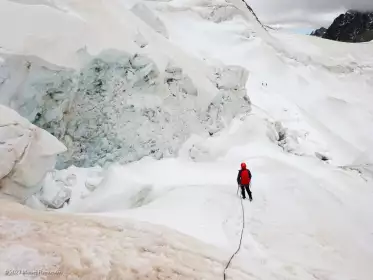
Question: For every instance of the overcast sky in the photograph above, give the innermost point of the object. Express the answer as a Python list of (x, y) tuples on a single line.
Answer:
[(305, 13)]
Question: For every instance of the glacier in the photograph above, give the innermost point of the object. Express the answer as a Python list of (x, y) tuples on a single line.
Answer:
[(118, 107), (136, 115)]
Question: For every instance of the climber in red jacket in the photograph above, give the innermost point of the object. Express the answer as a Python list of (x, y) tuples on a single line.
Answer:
[(243, 180)]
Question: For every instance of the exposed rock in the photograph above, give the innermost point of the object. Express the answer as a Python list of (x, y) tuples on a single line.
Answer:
[(353, 27), (319, 32), (322, 156)]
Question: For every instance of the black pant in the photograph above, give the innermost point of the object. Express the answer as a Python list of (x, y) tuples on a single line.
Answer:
[(247, 187)]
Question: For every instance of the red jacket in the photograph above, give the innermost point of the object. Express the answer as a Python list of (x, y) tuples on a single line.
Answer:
[(244, 177)]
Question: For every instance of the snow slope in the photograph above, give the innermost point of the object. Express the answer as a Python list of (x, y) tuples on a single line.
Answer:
[(306, 138), (101, 249), (113, 99)]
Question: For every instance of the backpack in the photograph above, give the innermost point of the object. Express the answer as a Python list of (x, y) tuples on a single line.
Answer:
[(245, 177)]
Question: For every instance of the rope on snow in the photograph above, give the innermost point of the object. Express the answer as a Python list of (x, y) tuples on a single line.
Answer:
[(239, 246)]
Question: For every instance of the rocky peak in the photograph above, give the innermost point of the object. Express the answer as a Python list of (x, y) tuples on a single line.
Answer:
[(353, 27)]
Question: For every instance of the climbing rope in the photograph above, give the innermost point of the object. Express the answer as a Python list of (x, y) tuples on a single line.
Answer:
[(239, 245)]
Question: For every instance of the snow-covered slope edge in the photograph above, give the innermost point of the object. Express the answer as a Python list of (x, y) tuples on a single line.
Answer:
[(95, 248)]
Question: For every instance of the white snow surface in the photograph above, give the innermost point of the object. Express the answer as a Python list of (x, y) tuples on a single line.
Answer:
[(305, 133)]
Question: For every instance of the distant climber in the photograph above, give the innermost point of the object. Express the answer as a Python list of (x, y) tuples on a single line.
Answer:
[(243, 180)]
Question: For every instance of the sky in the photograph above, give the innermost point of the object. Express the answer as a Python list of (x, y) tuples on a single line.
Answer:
[(304, 14)]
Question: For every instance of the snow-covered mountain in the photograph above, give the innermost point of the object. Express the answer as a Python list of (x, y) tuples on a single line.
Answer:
[(157, 103)]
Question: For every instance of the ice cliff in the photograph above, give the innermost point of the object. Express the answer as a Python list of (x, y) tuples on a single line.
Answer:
[(117, 97), (118, 106)]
